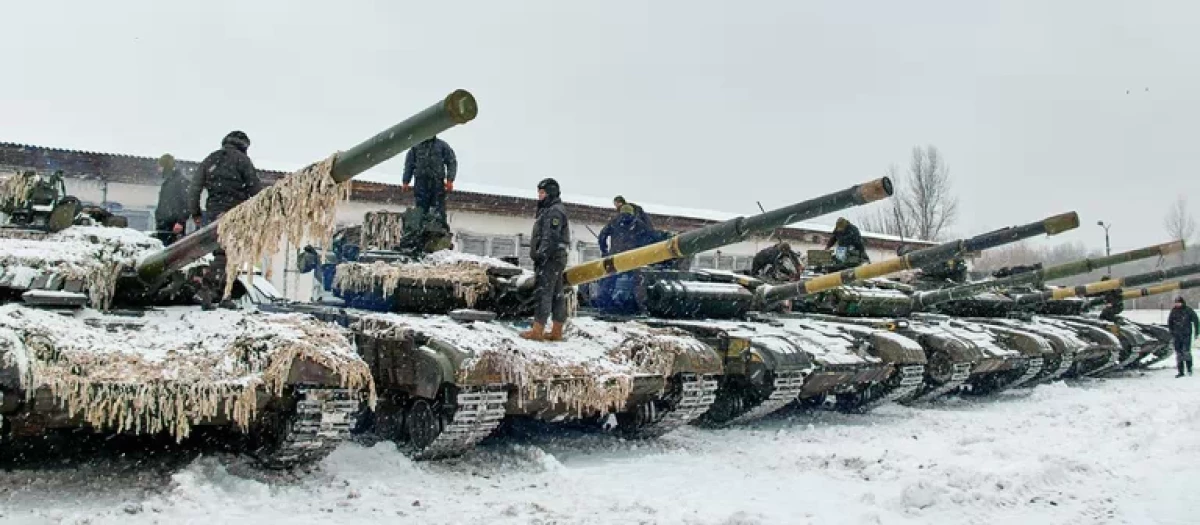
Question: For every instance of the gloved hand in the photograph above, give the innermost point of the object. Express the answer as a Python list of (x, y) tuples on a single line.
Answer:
[(178, 228), (196, 220), (449, 186), (405, 187)]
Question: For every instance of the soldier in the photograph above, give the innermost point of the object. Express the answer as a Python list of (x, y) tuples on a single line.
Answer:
[(228, 175), (548, 247), (627, 232), (171, 214), (773, 263), (231, 179), (846, 235), (619, 201), (1114, 304), (433, 164), (1184, 328)]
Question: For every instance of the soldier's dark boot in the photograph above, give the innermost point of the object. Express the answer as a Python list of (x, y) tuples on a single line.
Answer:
[(556, 332), (1189, 367), (535, 333), (1179, 366)]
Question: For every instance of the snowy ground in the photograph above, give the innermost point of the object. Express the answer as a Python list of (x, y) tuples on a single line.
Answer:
[(1120, 450)]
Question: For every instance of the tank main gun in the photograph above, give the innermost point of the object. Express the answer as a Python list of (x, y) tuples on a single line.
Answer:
[(1107, 286), (459, 107), (943, 252), (1035, 277), (734, 230), (1160, 289)]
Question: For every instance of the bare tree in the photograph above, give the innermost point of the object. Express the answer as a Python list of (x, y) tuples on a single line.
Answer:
[(926, 199), (1180, 224)]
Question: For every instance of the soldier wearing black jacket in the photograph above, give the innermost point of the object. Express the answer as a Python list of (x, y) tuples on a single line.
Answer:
[(228, 175), (1184, 328), (548, 247)]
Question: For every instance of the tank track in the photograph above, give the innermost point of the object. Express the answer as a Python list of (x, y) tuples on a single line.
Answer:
[(907, 381), (959, 373), (1156, 357), (479, 410), (322, 420), (1114, 357), (1032, 370), (787, 387), (1064, 366), (1134, 356), (697, 395)]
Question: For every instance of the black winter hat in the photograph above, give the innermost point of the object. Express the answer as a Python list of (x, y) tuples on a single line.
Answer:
[(1181, 300), (550, 186), (238, 139)]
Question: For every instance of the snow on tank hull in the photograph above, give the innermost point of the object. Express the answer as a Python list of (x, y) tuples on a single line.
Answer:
[(1134, 344), (300, 380), (284, 386), (1067, 347), (1163, 344)]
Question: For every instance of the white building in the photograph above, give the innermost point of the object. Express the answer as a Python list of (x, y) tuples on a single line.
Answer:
[(485, 220)]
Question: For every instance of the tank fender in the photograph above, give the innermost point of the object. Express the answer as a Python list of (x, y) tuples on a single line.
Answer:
[(431, 369), (958, 349), (895, 348)]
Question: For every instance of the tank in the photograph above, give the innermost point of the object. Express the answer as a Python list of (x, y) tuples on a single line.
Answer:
[(1161, 334), (950, 349), (1139, 344), (440, 330), (798, 357), (1072, 347), (99, 331)]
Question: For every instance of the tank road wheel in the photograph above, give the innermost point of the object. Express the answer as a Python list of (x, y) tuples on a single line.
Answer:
[(813, 402), (422, 426), (940, 368)]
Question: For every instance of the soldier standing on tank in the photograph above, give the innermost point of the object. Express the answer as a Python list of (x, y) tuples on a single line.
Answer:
[(171, 213), (626, 231), (641, 214), (1184, 328), (433, 164), (1114, 304), (548, 247), (847, 236), (230, 179)]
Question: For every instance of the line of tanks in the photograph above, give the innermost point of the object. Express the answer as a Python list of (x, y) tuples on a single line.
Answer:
[(653, 345)]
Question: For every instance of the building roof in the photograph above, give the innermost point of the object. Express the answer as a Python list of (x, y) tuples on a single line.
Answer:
[(373, 187)]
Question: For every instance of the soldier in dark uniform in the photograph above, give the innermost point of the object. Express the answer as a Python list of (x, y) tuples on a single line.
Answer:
[(626, 231), (641, 214), (548, 247), (1184, 327), (847, 236), (1114, 304), (773, 263), (230, 178), (433, 165), (171, 213)]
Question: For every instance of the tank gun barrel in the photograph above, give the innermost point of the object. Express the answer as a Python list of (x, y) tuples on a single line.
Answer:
[(1109, 285), (722, 234), (930, 298), (936, 254), (458, 107), (1160, 289)]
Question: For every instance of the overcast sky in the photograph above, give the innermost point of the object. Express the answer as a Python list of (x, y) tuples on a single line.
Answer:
[(688, 103)]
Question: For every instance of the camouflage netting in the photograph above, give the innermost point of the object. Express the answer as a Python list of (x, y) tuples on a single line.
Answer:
[(382, 230), (592, 372), (466, 273), (302, 206), (92, 254), (176, 370), (14, 190)]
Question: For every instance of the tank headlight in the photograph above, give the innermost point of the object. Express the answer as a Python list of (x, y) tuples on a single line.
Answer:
[(737, 345)]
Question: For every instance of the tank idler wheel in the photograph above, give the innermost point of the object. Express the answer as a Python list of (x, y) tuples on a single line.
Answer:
[(422, 425), (813, 402), (728, 405), (940, 369)]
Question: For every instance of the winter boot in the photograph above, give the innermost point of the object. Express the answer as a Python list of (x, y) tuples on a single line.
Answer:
[(556, 332), (1179, 366), (535, 332), (1189, 367)]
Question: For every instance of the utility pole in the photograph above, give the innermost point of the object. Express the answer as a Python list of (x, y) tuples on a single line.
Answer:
[(1107, 246)]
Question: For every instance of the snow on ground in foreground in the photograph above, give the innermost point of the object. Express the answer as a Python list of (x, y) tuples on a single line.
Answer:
[(1121, 450)]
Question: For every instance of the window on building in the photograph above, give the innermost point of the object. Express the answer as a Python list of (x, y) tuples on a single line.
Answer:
[(588, 251), (141, 220), (526, 260), (503, 247), (705, 262), (472, 244), (725, 262)]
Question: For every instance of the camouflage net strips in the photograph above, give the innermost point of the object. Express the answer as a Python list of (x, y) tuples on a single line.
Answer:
[(14, 190), (172, 373), (382, 230), (592, 372), (469, 279), (302, 206)]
